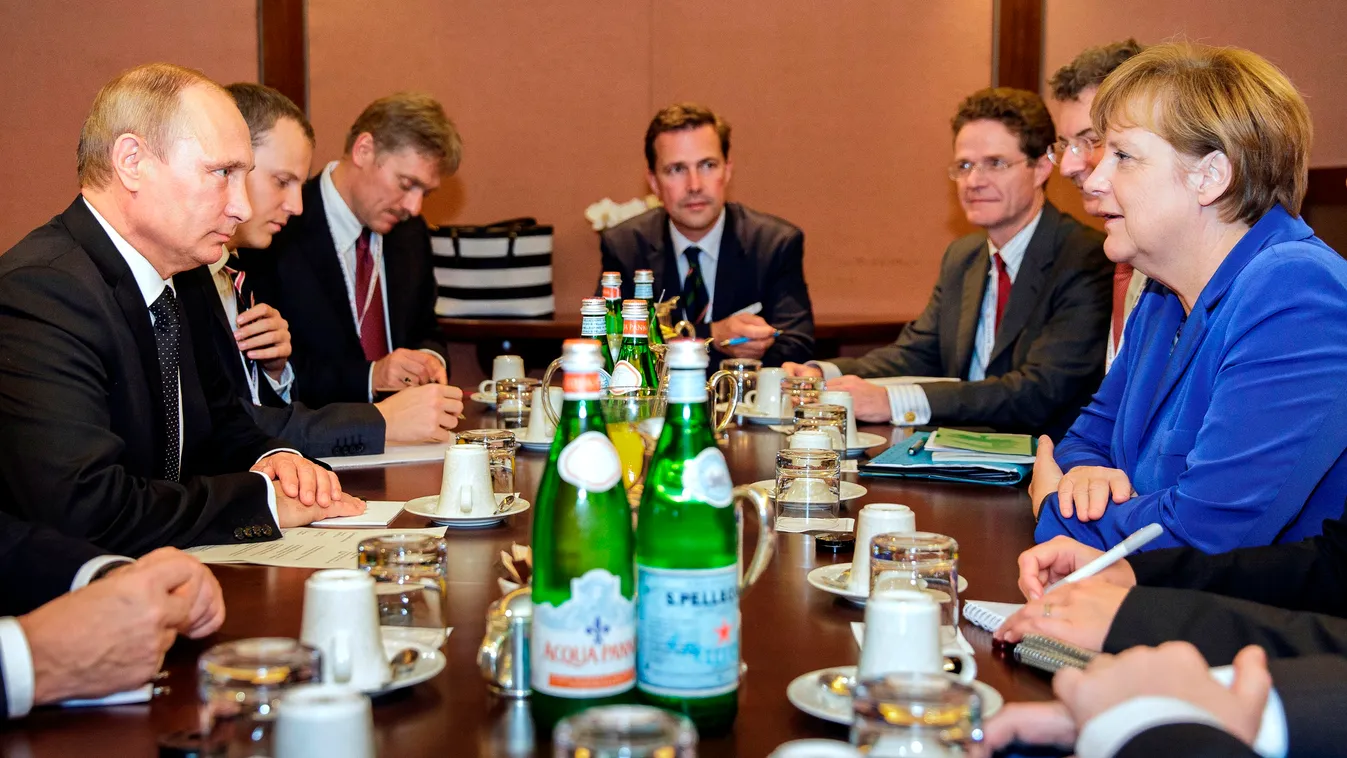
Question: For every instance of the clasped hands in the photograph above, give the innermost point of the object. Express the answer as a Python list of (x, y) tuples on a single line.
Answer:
[(1085, 491), (305, 491)]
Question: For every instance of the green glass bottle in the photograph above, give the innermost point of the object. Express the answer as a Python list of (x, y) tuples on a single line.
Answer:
[(635, 365), (687, 617), (583, 649), (611, 281), (593, 326), (644, 280)]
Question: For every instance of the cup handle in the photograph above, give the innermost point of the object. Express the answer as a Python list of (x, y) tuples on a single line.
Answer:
[(465, 498), (482, 388), (762, 554), (968, 667), (733, 395), (340, 654), (553, 414), (751, 397)]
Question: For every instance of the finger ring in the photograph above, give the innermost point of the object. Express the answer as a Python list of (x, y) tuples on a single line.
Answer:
[(1047, 610), (406, 380)]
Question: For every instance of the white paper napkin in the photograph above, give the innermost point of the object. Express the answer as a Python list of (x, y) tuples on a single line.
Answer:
[(801, 525)]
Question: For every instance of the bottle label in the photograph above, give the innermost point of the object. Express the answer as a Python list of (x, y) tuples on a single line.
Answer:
[(644, 291), (635, 327), (687, 631), (585, 647), (612, 292), (576, 385), (604, 379), (595, 327), (706, 478), (626, 377), (687, 386), (589, 462)]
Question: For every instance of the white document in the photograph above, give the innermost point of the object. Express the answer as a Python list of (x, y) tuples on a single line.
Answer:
[(392, 455), (302, 548), (377, 513), (800, 525)]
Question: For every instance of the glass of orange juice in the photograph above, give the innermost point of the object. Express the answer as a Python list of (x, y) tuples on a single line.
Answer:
[(634, 419)]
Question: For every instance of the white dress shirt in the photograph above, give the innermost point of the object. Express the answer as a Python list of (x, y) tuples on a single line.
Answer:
[(225, 289), (710, 247)]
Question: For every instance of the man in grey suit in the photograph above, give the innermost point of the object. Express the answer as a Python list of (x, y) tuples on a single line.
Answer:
[(1020, 311)]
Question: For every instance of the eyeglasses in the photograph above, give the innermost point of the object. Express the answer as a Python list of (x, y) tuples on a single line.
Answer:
[(1082, 148), (964, 169)]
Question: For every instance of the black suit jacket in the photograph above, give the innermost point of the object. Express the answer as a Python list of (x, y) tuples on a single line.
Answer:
[(1048, 357), (300, 275), (761, 261), (82, 416), (335, 429), (37, 564)]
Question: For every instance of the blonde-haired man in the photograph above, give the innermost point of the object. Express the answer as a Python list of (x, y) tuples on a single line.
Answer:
[(114, 431)]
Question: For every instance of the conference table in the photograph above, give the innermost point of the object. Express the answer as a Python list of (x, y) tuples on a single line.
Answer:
[(789, 627)]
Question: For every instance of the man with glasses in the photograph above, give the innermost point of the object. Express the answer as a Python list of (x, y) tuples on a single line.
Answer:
[(1019, 311), (1077, 151)]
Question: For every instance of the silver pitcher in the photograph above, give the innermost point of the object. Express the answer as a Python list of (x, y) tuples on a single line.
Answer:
[(504, 654)]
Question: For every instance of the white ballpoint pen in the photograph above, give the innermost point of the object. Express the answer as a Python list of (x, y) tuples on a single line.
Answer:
[(1135, 541)]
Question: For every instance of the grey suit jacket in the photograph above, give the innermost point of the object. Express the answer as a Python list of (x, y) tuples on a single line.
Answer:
[(1049, 353)]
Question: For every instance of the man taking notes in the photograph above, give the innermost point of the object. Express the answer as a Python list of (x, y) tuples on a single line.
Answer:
[(1019, 312)]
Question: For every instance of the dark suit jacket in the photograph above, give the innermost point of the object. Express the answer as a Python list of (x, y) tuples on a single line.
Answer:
[(335, 429), (761, 261), (1049, 353), (300, 275), (37, 564), (83, 421)]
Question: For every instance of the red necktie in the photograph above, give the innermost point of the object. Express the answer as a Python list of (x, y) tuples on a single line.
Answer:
[(369, 304), (1122, 278), (1002, 288)]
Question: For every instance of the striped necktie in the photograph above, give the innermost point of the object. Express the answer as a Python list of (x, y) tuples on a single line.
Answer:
[(694, 296)]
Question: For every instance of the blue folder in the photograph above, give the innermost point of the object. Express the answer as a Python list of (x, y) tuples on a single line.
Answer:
[(896, 462)]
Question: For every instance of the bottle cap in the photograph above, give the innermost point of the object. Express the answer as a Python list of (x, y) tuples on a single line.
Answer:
[(634, 309), (593, 306), (581, 356), (687, 353), (611, 278), (644, 276)]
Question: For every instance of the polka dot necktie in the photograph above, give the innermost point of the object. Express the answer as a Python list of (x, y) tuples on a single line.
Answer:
[(168, 338)]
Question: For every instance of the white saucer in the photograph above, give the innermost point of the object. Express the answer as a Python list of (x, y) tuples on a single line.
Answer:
[(865, 441), (424, 506), (806, 693), (833, 580), (484, 398), (430, 662), (752, 415), (537, 447), (847, 490)]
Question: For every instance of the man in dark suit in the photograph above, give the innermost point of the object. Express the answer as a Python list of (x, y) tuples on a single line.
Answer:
[(113, 430), (252, 341), (105, 636), (718, 257), (353, 272), (1019, 313)]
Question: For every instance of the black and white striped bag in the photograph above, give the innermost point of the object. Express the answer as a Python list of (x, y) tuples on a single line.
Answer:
[(500, 270)]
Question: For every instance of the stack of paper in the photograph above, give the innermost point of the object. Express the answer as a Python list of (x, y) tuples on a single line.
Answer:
[(392, 455), (956, 445), (302, 548), (897, 461)]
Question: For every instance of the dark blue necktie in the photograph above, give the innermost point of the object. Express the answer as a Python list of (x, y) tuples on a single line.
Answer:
[(694, 296), (168, 338)]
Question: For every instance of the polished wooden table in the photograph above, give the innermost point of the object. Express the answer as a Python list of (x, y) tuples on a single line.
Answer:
[(789, 628)]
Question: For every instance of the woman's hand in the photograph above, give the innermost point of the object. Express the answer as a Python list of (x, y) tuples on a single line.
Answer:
[(1087, 491)]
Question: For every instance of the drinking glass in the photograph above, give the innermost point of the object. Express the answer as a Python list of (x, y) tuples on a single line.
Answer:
[(926, 715), (513, 400), (829, 419), (241, 682), (500, 448), (922, 561), (745, 373), (625, 731), (411, 581), (635, 419), (801, 390), (807, 486)]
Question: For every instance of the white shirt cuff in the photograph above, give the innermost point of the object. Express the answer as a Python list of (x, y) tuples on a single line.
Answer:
[(371, 381), (1104, 735), (438, 357), (87, 571), (908, 405), (271, 491), (829, 369), (282, 386), (1272, 740), (16, 662)]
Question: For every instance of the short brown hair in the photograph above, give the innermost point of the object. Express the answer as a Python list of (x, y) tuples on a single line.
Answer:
[(144, 101), (679, 117), (1201, 99), (410, 119), (1020, 111), (1090, 68), (263, 106)]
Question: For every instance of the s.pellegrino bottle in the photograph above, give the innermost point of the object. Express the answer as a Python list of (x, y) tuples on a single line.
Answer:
[(593, 326), (644, 279), (583, 649), (611, 282), (635, 365), (687, 613)]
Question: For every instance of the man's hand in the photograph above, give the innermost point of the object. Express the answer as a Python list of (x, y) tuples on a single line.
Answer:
[(201, 589), (301, 478), (1051, 561), (405, 368), (1047, 474), (1176, 670), (800, 369), (1028, 724), (870, 400), (760, 332), (1080, 613), (264, 336), (112, 635), (421, 413), (290, 512), (1085, 490)]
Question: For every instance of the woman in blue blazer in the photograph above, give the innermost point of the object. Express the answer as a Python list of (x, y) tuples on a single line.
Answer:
[(1225, 417)]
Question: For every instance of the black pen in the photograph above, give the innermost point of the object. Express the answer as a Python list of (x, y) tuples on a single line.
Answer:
[(918, 445)]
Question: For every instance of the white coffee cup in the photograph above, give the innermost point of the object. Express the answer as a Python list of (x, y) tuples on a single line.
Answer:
[(839, 397), (874, 519), (540, 428), (326, 720), (903, 635), (341, 619), (810, 439), (465, 488), (502, 367), (766, 399), (815, 749)]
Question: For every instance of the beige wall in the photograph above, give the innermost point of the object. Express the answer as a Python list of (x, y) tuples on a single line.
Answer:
[(55, 54), (840, 118)]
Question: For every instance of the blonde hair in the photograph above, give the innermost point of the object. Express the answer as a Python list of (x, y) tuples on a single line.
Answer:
[(143, 101), (1201, 99), (410, 119)]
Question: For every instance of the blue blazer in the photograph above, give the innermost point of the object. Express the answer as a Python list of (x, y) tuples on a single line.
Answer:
[(1231, 423)]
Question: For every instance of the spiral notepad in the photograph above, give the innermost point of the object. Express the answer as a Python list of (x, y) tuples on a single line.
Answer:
[(1051, 655), (988, 615)]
